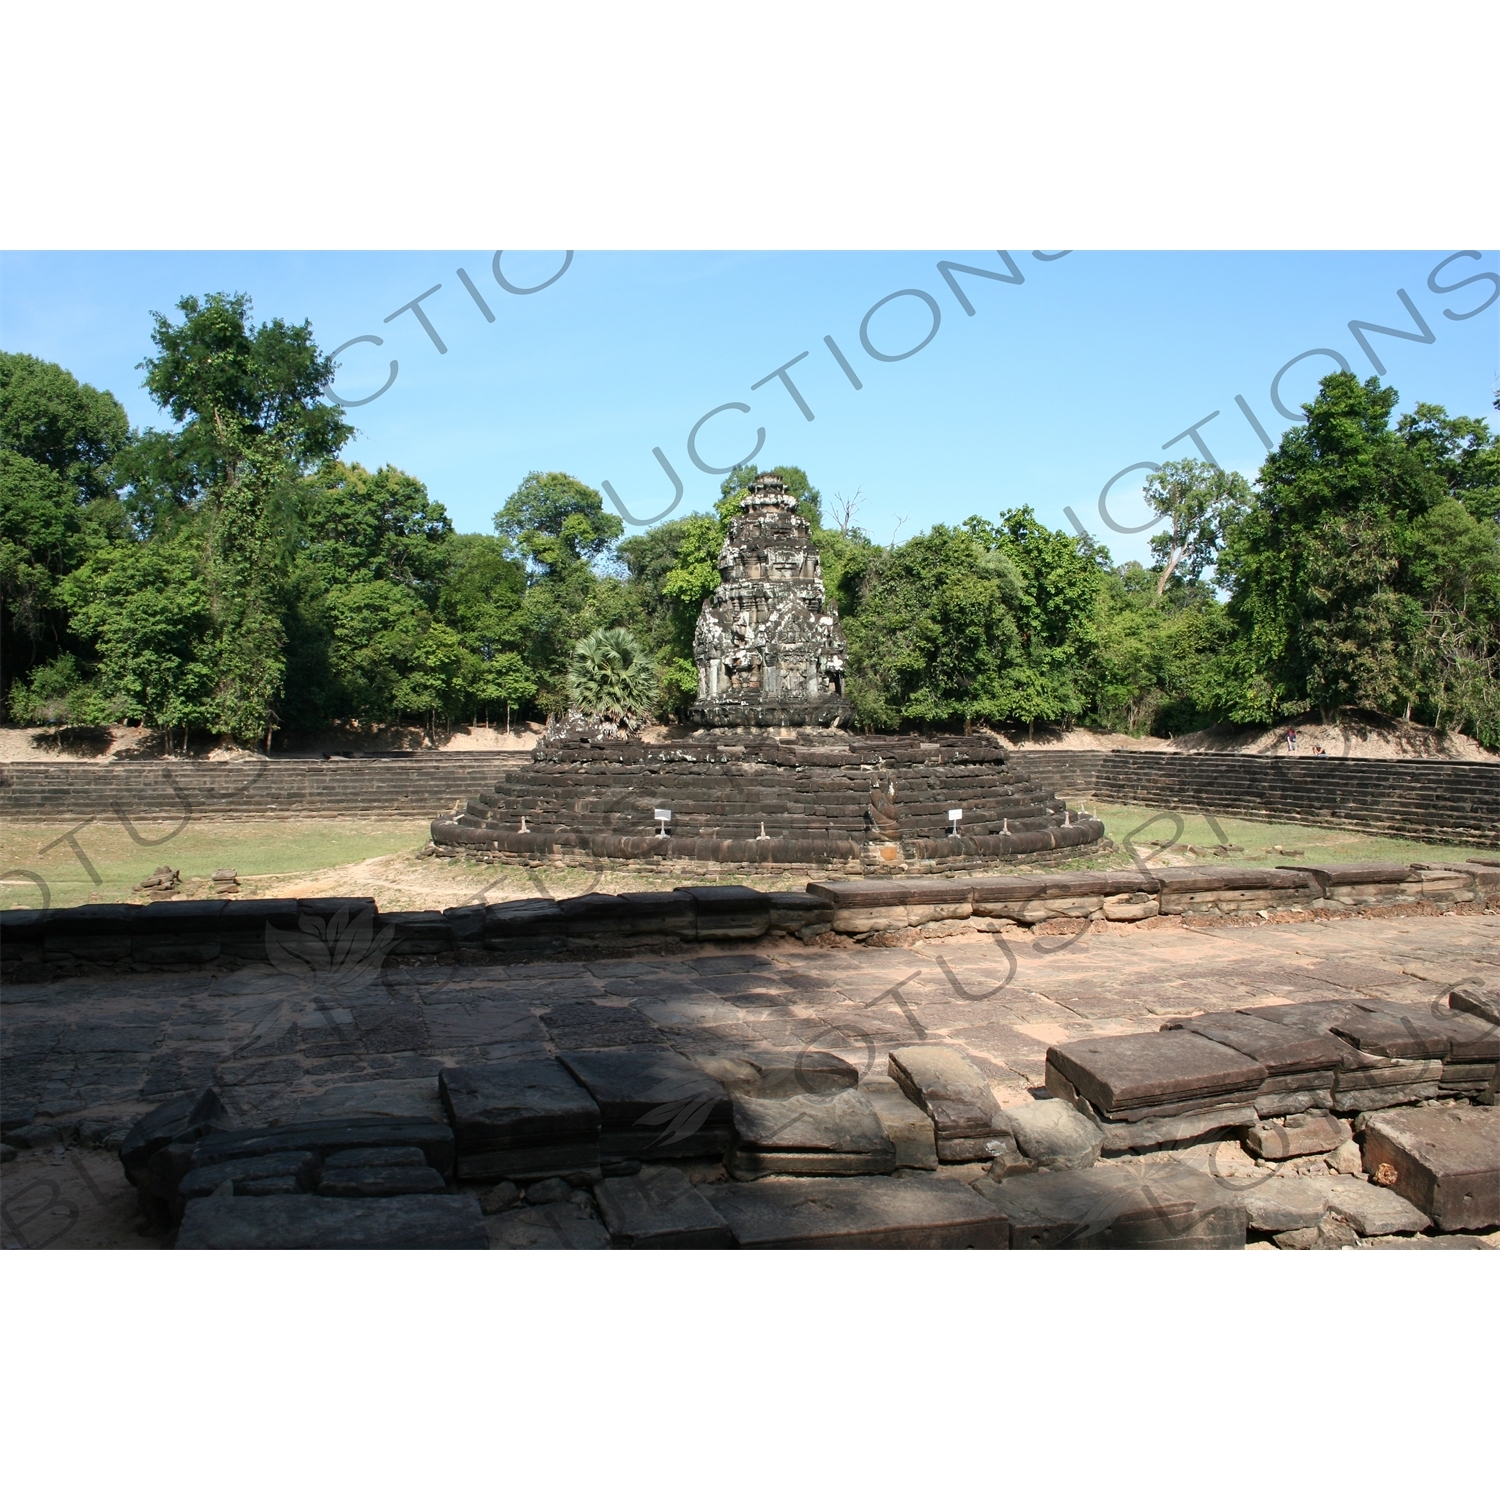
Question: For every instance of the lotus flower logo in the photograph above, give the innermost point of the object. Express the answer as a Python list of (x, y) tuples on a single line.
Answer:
[(344, 952)]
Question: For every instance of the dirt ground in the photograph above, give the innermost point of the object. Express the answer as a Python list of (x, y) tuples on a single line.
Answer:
[(385, 858)]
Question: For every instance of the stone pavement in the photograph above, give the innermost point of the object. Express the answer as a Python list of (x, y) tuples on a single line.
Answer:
[(80, 1060)]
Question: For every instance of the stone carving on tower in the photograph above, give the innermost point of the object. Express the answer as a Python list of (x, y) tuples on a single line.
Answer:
[(768, 646)]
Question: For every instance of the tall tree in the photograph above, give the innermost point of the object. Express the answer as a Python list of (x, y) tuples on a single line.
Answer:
[(253, 421), (1200, 502), (59, 441)]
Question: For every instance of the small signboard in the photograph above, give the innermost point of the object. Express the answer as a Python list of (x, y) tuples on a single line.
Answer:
[(663, 814), (954, 814)]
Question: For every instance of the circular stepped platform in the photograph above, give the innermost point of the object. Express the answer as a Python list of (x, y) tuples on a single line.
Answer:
[(868, 805)]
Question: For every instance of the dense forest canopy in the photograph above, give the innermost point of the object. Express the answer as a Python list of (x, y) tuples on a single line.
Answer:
[(230, 574)]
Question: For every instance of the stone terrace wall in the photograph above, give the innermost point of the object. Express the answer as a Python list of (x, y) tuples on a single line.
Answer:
[(37, 946), (1421, 799), (417, 786)]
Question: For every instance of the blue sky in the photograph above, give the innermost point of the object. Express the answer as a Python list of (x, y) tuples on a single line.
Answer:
[(1090, 364)]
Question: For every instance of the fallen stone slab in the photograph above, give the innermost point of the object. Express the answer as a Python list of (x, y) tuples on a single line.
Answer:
[(1297, 1102), (1116, 1073), (836, 1135), (1279, 1049), (1428, 1242), (1119, 1206), (1216, 1122), (379, 1181), (303, 1222), (1277, 1204), (1373, 1209), (326, 1137), (779, 1075), (1444, 1161), (1357, 1101), (556, 1226), (908, 1128), (1473, 1000), (520, 1119), (1411, 1033), (1300, 1135), (1054, 1135), (302, 1167), (653, 1103), (186, 1119), (659, 1209), (943, 1082), (878, 1213)]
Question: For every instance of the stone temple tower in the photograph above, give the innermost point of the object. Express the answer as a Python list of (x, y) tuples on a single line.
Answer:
[(768, 646)]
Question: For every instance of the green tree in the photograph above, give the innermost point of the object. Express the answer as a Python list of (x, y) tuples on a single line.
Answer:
[(1361, 575), (59, 441), (148, 613), (611, 676), (252, 423), (1199, 501), (560, 528)]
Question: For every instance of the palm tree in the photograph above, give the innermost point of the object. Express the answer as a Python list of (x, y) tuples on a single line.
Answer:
[(611, 676)]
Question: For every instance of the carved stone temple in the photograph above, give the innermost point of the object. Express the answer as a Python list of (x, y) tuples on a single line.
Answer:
[(768, 646), (769, 779)]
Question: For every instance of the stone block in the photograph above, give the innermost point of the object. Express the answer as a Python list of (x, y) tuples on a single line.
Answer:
[(1300, 1135), (854, 921), (1297, 1102), (653, 1103), (554, 1226), (417, 933), (1357, 1101), (909, 1129), (1278, 1204), (582, 1025), (659, 1209), (671, 913), (301, 1167), (878, 1213), (1134, 907), (953, 1092), (95, 932), (792, 911), (520, 1119), (185, 1119), (1214, 1122), (304, 1222), (1277, 1048), (1119, 1206), (242, 926), (1474, 1001), (729, 911), (378, 1171), (1120, 1072), (834, 1135), (1054, 1135), (779, 1075), (1444, 1161), (327, 1137), (524, 926), (177, 932), (1405, 1033), (1373, 1209)]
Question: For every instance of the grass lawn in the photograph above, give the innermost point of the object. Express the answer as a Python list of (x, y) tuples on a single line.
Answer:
[(1140, 827), (378, 857), (259, 850)]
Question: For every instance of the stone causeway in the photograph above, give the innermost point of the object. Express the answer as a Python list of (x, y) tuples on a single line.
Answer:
[(1022, 1066)]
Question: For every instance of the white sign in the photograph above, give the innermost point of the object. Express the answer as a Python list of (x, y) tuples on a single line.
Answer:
[(954, 814), (663, 814)]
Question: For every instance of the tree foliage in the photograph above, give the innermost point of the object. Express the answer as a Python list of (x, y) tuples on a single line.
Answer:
[(231, 574)]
